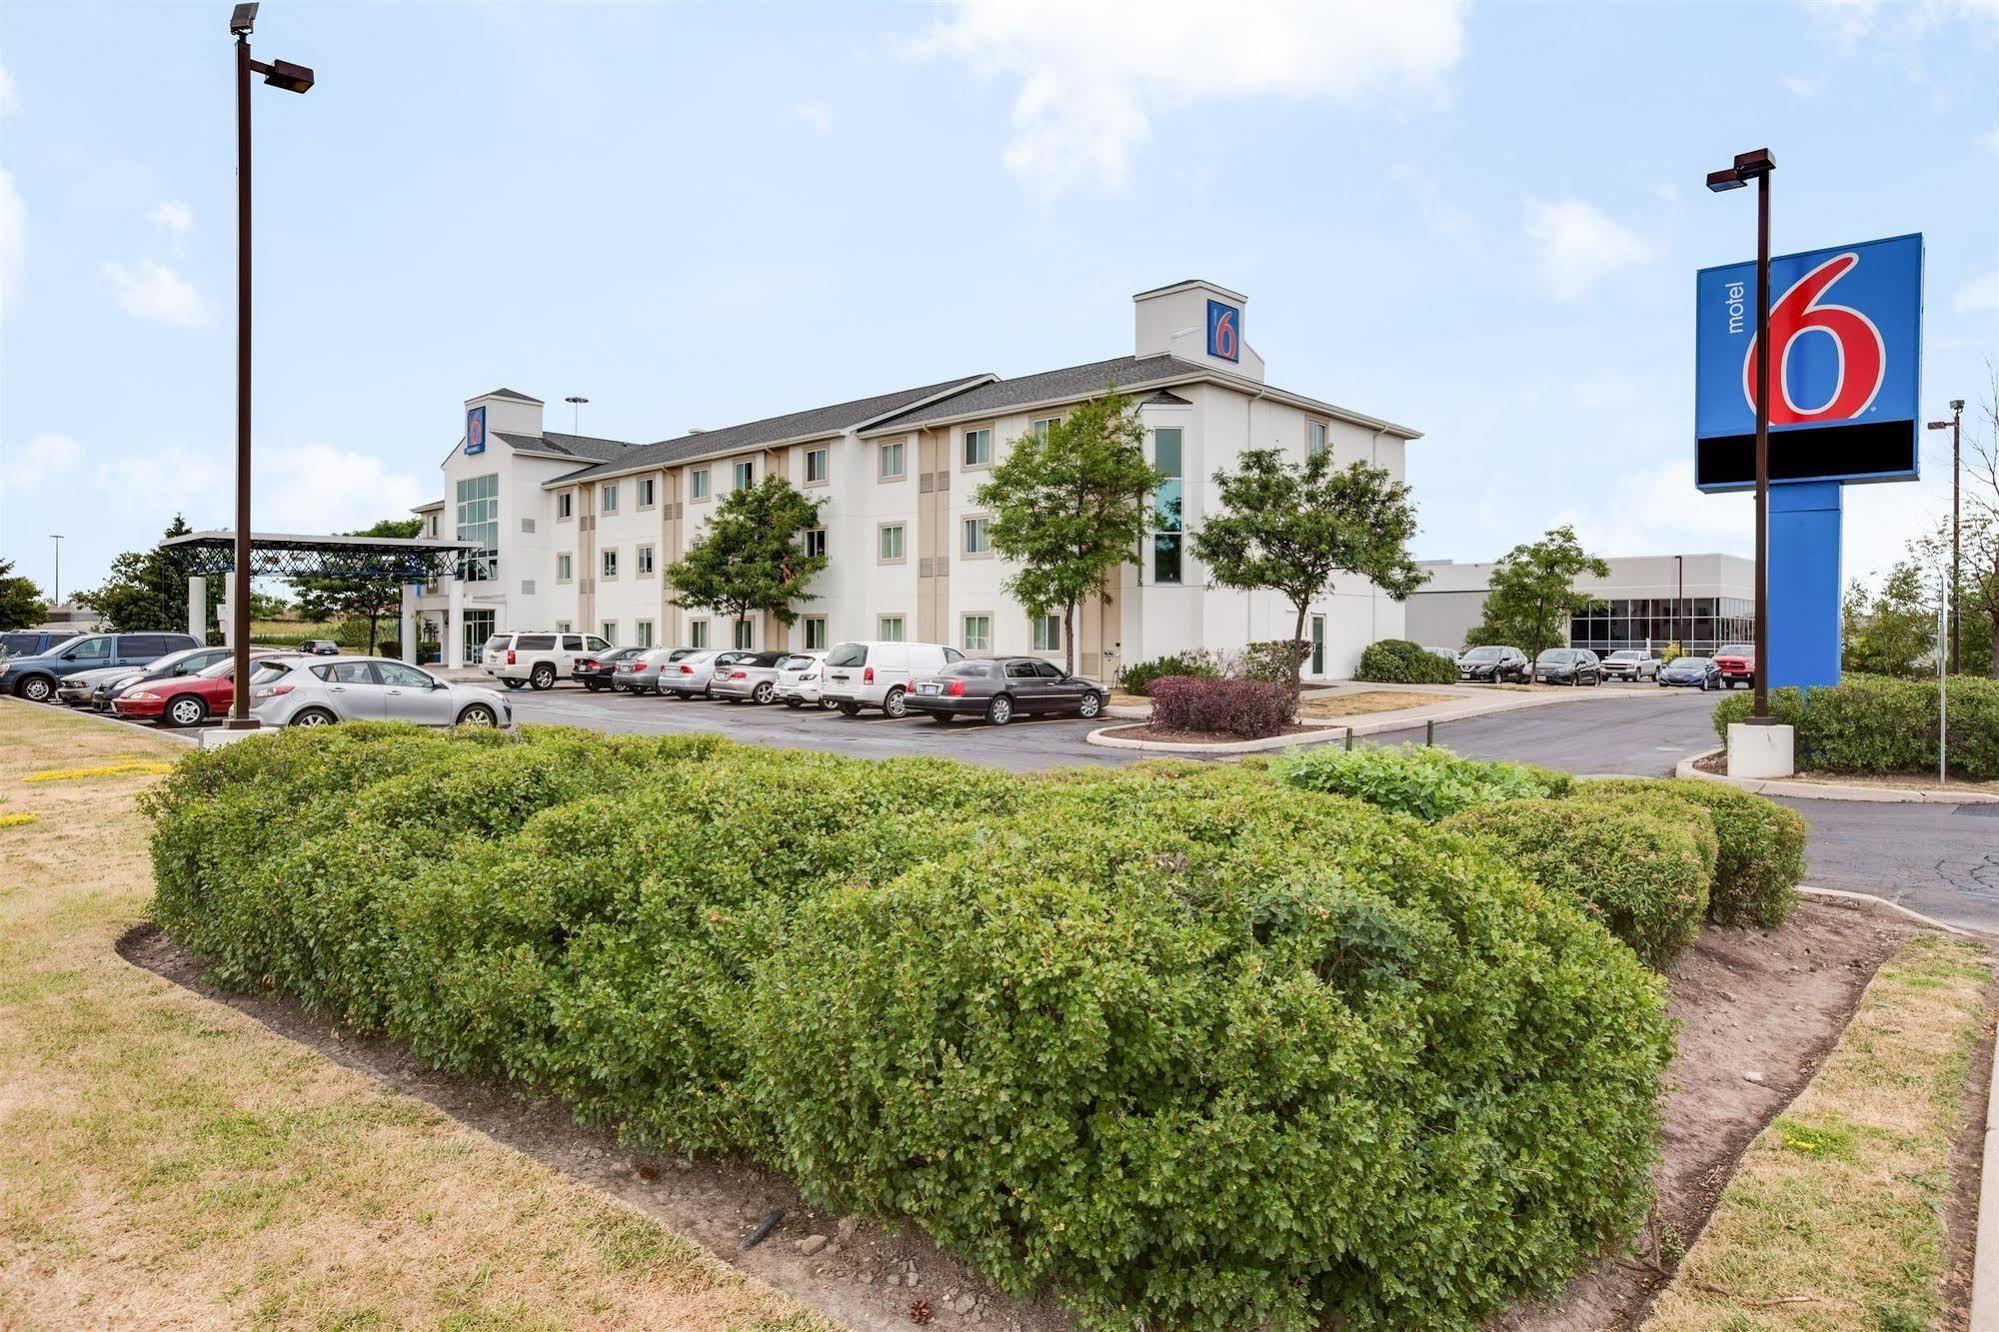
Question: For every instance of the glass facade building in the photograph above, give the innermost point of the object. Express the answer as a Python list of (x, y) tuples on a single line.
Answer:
[(1698, 624)]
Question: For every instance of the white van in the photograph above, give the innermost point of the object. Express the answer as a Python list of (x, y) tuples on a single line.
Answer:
[(876, 674)]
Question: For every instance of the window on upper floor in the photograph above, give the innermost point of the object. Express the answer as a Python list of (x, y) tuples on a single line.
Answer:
[(648, 491), (610, 564), (697, 634), (815, 543), (1048, 633), (889, 464), (565, 504), (1044, 425), (745, 475), (888, 628), (565, 567), (817, 463), (978, 447), (1315, 438), (697, 484), (610, 497), (642, 560), (978, 536), (1167, 529)]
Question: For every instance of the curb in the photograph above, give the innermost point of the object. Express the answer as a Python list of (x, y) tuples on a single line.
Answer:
[(1883, 795), (1985, 1255), (1873, 902), (1102, 738)]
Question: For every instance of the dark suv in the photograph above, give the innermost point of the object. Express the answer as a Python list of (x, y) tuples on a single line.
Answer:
[(1495, 665), (34, 677)]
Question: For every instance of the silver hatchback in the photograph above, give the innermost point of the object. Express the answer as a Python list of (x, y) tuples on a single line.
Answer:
[(319, 691)]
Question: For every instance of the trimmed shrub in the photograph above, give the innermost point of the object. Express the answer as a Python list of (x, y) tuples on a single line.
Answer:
[(1761, 844), (1426, 782), (1137, 678), (1399, 661), (1275, 660), (1642, 866), (1876, 724), (1251, 709)]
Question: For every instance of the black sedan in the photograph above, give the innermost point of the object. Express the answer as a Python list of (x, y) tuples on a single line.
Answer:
[(1569, 666), (1004, 688), (597, 672), (1696, 672)]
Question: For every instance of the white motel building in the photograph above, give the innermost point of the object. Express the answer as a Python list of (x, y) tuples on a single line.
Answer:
[(573, 532)]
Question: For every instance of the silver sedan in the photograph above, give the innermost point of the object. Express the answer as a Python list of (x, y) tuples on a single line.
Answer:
[(324, 690)]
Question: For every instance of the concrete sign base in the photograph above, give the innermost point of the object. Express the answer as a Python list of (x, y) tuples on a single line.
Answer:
[(1761, 752)]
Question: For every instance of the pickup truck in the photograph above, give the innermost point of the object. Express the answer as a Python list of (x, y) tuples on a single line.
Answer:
[(1737, 663)]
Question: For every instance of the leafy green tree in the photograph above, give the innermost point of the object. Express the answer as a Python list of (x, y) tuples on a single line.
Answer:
[(1533, 593), (21, 602), (1292, 527), (1070, 506), (267, 606), (1893, 630), (344, 590), (146, 590), (752, 557)]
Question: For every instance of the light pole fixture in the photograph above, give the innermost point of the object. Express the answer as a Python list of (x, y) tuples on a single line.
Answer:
[(1955, 426), (1757, 165), (292, 78), (55, 597), (575, 412)]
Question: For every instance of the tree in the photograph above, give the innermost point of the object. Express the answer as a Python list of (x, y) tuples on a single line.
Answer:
[(1533, 593), (1291, 528), (753, 556), (146, 590), (21, 602), (344, 590), (268, 606), (1891, 632), (1070, 506)]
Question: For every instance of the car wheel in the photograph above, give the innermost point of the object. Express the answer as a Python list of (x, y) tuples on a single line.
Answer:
[(942, 718), (513, 684), (184, 710), (478, 714), (763, 693), (850, 709), (593, 685), (314, 717), (794, 703), (36, 688), (1091, 705), (543, 676), (1000, 711), (893, 705)]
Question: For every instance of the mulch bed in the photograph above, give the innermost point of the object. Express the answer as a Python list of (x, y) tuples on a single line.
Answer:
[(1167, 736)]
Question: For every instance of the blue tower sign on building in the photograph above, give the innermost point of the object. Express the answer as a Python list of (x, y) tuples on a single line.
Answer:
[(1845, 369)]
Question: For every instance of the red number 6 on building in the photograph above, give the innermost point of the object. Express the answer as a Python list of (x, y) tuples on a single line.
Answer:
[(1863, 359), (1225, 335)]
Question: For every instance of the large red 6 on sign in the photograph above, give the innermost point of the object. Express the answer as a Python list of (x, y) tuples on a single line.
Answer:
[(1863, 361)]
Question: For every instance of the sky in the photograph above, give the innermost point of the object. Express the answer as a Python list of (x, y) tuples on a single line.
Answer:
[(1481, 220)]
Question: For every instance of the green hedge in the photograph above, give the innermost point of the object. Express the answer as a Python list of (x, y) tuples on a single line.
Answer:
[(1423, 781), (1137, 678), (1399, 661), (1875, 724), (1178, 1043), (1761, 856), (1642, 865)]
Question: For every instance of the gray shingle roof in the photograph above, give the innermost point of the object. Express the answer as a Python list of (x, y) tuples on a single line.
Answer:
[(754, 434), (575, 446)]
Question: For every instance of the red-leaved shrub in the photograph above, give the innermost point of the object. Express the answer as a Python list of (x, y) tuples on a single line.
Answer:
[(1247, 708)]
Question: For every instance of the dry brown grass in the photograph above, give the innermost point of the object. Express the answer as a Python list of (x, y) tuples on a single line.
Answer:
[(1374, 700), (167, 1162), (1836, 1219)]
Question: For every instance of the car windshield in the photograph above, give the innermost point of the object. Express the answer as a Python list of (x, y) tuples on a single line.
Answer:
[(263, 672), (1736, 650), (1692, 663), (1555, 657), (496, 642), (793, 663), (1625, 656), (219, 670), (1483, 654), (848, 654)]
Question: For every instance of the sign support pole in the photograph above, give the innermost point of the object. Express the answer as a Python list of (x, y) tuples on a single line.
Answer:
[(1761, 710)]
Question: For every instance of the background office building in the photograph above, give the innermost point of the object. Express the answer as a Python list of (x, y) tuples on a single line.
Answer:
[(574, 533), (1697, 601)]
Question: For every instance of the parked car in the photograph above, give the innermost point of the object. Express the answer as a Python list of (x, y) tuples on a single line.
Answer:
[(600, 670), (1736, 663), (30, 642), (1495, 665), (798, 678), (642, 674), (746, 675), (1699, 672), (320, 647), (536, 659), (87, 688), (1631, 664), (1569, 666), (872, 673), (35, 677), (690, 674), (1448, 654), (319, 691), (1003, 688), (187, 700)]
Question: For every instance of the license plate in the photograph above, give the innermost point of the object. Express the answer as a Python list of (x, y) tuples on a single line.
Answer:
[(928, 689)]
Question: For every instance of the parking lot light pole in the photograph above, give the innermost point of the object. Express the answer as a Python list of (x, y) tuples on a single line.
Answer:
[(291, 78), (1757, 165), (1955, 426)]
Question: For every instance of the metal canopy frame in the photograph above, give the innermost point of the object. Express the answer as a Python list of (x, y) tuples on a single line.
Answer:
[(281, 555)]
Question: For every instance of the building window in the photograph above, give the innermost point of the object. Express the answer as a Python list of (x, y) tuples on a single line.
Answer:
[(609, 629), (562, 626), (648, 491), (888, 628), (815, 467), (565, 505), (565, 567), (610, 497), (815, 543), (642, 561), (815, 633), (433, 525), (1047, 633), (1315, 438), (978, 539), (1166, 521), (1043, 426), (889, 465), (697, 634), (978, 447), (978, 633), (479, 523), (746, 635), (644, 631), (890, 549), (744, 474), (611, 563), (697, 483)]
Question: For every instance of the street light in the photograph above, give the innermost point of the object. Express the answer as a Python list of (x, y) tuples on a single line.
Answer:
[(292, 78), (1956, 434), (575, 412), (1757, 165), (55, 597)]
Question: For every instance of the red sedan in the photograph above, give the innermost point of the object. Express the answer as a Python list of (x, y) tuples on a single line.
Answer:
[(188, 699)]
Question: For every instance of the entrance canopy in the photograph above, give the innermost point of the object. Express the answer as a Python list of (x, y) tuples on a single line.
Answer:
[(277, 555)]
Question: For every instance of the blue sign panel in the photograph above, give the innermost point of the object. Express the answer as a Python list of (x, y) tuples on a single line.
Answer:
[(1846, 329), (1224, 331), (475, 430)]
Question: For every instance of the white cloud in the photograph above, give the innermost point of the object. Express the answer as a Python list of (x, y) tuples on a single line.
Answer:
[(1800, 86), (175, 216), (308, 488), (1580, 244), (157, 292), (1981, 292), (1092, 78), (42, 459), (10, 101), (1667, 192), (818, 117), (13, 237)]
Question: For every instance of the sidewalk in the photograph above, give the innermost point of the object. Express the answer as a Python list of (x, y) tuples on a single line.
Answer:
[(1816, 790), (1454, 703)]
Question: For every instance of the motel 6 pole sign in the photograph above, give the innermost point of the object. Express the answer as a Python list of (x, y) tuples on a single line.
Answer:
[(1845, 377)]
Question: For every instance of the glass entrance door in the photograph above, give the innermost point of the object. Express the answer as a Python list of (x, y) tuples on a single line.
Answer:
[(478, 628)]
